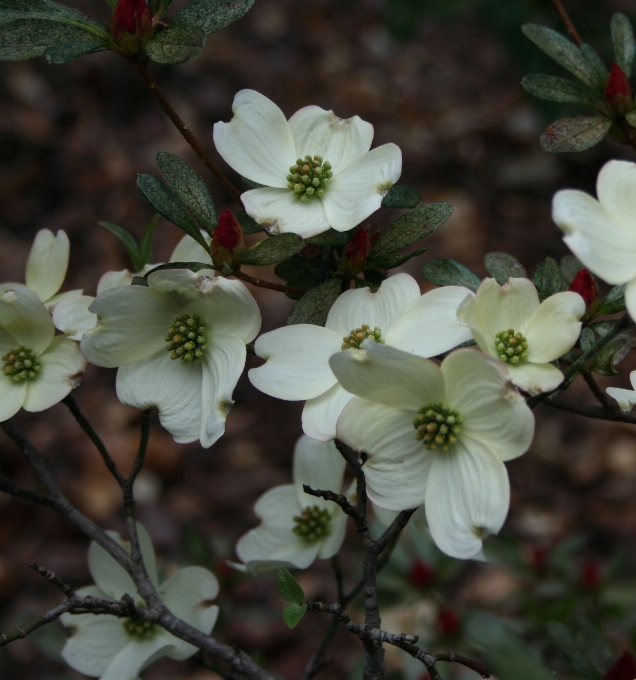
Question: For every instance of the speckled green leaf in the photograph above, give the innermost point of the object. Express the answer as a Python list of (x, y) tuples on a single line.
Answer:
[(624, 42), (60, 54), (555, 89), (329, 238), (313, 307), (575, 134), (300, 272), (175, 45), (396, 259), (211, 15), (614, 352), (613, 302), (548, 278), (450, 273), (597, 63), (248, 225), (570, 266), (272, 250), (502, 266), (401, 196), (189, 188)]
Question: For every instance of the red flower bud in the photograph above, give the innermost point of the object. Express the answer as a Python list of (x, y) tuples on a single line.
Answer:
[(356, 252), (591, 576), (538, 557), (421, 574), (618, 90), (448, 623), (132, 16), (585, 286), (226, 242), (623, 669)]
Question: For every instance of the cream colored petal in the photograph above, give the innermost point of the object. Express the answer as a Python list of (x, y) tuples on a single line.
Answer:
[(320, 465), (258, 141), (47, 263), (468, 314), (555, 327), (536, 378), (357, 191), (109, 575), (114, 279), (322, 133), (501, 308), (626, 398), (52, 303), (281, 211), (24, 317), (331, 544), (12, 396), (616, 191), (137, 655), (188, 250), (71, 316), (630, 298), (360, 306), (321, 413)]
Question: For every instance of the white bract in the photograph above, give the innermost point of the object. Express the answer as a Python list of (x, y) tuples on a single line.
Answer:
[(316, 168), (510, 324), (296, 528), (38, 368), (179, 344), (602, 234), (436, 436), (111, 648), (71, 315), (397, 314), (626, 398)]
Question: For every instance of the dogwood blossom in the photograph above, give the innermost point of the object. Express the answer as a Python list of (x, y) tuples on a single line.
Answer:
[(436, 436), (316, 168), (296, 528), (179, 344), (510, 324), (602, 233), (119, 649), (626, 398), (397, 314), (38, 368)]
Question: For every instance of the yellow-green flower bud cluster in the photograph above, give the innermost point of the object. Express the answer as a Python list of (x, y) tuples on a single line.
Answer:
[(359, 335), (511, 346), (20, 364), (309, 177), (437, 426), (313, 524), (186, 338), (140, 630)]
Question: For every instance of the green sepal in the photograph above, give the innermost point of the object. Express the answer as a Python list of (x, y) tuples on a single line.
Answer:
[(575, 134), (293, 613), (614, 352), (329, 239), (129, 244), (570, 266), (624, 42), (211, 15), (288, 587), (189, 188), (166, 203), (313, 307), (300, 272), (556, 89), (145, 244), (192, 266), (613, 302), (548, 278), (272, 250), (248, 225), (502, 266), (450, 273), (61, 54), (175, 45), (401, 196)]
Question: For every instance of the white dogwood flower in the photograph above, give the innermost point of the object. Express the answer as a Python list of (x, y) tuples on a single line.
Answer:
[(626, 398), (296, 528), (179, 344), (38, 368), (510, 324), (436, 436), (316, 168), (397, 314), (602, 234), (111, 648)]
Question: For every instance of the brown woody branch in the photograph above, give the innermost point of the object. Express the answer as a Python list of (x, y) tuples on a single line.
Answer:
[(565, 18)]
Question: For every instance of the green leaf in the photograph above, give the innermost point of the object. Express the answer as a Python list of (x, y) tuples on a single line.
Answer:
[(565, 53), (502, 266), (408, 229), (373, 279), (555, 89), (548, 278), (293, 613), (189, 188), (330, 238), (248, 225), (575, 134), (624, 42), (401, 196), (60, 54), (614, 352), (597, 63), (165, 203), (396, 259), (450, 273), (175, 45), (129, 243), (570, 267), (192, 266), (300, 272), (145, 245), (313, 307), (211, 15), (565, 641), (613, 302), (272, 250), (288, 587)]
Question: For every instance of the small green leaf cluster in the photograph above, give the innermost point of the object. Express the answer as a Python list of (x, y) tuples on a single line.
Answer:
[(291, 591), (140, 254)]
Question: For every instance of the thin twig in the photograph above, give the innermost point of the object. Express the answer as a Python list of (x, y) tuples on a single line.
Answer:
[(565, 18), (340, 499), (589, 410), (608, 405), (262, 283), (52, 578), (394, 530), (18, 492)]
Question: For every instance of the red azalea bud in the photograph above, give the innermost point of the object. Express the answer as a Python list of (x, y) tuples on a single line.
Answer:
[(356, 252), (585, 286), (591, 576), (538, 557), (618, 90), (226, 242), (448, 623), (421, 574), (623, 669), (132, 16)]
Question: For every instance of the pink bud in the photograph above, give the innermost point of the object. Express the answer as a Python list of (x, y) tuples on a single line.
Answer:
[(421, 573), (132, 16), (623, 669), (618, 90), (585, 286)]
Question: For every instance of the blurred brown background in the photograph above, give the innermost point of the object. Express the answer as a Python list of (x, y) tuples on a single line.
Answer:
[(438, 77)]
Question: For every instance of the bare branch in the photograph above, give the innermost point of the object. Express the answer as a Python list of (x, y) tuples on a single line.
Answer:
[(52, 578), (565, 18), (338, 498), (609, 406), (271, 285), (394, 530), (18, 492), (589, 410)]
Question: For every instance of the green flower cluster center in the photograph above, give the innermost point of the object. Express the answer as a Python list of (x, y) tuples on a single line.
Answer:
[(140, 630), (20, 364), (437, 426), (312, 524), (186, 338), (511, 346), (359, 335), (309, 177)]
